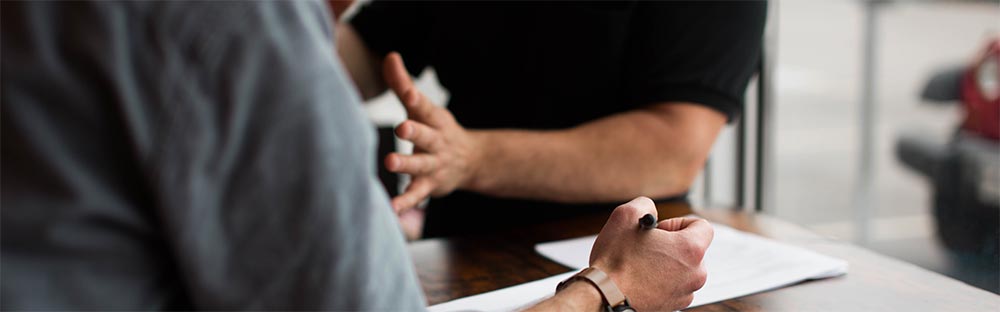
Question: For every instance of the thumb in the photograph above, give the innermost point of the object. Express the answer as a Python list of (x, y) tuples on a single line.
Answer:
[(628, 214)]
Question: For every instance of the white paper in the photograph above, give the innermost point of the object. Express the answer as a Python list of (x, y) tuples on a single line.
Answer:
[(738, 264), (506, 299)]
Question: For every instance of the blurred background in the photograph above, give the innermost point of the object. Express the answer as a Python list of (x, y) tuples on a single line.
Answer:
[(818, 127), (832, 158)]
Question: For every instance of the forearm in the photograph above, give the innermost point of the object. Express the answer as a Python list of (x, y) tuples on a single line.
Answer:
[(578, 296), (361, 63), (652, 152)]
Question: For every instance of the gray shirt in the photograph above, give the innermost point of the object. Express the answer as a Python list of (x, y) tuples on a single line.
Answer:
[(209, 155)]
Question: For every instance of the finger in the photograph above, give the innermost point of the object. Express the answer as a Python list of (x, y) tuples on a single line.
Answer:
[(416, 164), (416, 104), (628, 214), (698, 231), (412, 222), (417, 190), (676, 224), (395, 74), (420, 134), (700, 277)]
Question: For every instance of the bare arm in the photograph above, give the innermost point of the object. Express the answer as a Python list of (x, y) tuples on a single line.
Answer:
[(576, 297), (361, 63), (653, 151)]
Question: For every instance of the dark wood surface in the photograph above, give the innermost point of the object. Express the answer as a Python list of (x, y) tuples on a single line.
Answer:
[(457, 267)]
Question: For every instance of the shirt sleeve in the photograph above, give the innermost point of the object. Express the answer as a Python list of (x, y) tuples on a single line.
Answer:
[(697, 51), (400, 26), (265, 168)]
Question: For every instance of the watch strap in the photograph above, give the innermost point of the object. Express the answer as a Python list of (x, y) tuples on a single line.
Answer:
[(613, 297)]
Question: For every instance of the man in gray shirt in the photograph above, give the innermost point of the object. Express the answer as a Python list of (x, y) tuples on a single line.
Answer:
[(213, 155), (189, 155)]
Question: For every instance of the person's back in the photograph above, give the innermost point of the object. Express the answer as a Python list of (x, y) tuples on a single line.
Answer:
[(188, 155)]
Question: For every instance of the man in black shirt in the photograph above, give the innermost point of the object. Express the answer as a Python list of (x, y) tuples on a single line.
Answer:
[(556, 108)]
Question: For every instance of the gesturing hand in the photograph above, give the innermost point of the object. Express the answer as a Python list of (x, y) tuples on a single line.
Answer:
[(444, 154), (658, 269)]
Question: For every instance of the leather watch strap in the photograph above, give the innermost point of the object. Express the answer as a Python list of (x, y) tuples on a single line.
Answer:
[(613, 297)]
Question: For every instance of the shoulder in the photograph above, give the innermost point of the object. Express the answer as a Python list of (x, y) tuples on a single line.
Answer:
[(206, 29)]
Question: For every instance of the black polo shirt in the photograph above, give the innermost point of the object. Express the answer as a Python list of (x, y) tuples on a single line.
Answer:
[(532, 65)]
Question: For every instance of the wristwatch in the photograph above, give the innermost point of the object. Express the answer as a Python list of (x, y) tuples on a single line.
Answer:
[(614, 299)]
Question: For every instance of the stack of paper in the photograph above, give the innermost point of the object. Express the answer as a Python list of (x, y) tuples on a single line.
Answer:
[(738, 264)]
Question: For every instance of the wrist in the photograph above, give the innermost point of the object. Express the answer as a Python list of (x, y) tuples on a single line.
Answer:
[(611, 267), (582, 296), (476, 178), (612, 299)]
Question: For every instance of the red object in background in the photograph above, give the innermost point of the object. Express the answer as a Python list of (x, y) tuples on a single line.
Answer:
[(981, 94)]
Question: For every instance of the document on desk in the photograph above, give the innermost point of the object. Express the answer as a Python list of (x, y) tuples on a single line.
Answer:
[(738, 264)]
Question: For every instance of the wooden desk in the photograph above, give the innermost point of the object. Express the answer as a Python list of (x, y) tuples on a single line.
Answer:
[(457, 267)]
